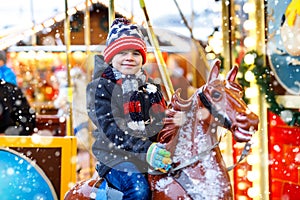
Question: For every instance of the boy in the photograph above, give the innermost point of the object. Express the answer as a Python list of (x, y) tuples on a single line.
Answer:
[(128, 110)]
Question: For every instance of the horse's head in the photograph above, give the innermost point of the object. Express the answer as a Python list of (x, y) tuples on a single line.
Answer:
[(223, 99)]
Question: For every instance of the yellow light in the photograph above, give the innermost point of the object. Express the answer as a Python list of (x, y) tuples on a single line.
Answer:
[(242, 185), (251, 92), (80, 7), (253, 192), (59, 17), (242, 197), (41, 55), (252, 159), (252, 176), (249, 25), (241, 173), (249, 7), (208, 48), (216, 43), (249, 76), (249, 59), (38, 28), (31, 55), (210, 56), (78, 56), (72, 11), (239, 145), (48, 90), (249, 42), (218, 35), (49, 23)]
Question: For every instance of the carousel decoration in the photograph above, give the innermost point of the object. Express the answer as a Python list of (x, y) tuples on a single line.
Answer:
[(23, 178), (283, 43), (253, 63)]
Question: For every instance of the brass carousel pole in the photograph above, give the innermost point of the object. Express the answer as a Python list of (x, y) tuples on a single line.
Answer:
[(87, 43), (33, 37), (111, 13), (227, 12), (262, 142), (70, 93), (161, 63)]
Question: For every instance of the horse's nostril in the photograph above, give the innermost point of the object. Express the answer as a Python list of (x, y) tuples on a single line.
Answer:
[(234, 128), (252, 129), (241, 117)]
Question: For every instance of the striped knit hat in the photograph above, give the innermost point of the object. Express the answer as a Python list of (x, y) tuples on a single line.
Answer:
[(124, 36)]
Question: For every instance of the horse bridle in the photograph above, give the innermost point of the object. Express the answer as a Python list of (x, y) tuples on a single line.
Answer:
[(208, 105), (227, 123), (198, 157)]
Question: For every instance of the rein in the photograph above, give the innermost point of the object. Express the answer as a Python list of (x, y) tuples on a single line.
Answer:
[(194, 159), (189, 162)]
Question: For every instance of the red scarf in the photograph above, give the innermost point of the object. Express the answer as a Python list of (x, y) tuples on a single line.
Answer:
[(143, 102)]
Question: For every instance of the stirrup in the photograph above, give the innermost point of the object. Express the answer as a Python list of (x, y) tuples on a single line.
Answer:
[(101, 191)]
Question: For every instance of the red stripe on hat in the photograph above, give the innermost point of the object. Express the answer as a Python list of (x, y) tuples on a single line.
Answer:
[(125, 43), (132, 41)]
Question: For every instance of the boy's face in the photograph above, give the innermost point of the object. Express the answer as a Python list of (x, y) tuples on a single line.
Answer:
[(128, 61)]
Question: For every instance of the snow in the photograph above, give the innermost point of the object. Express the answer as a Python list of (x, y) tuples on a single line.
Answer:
[(204, 179)]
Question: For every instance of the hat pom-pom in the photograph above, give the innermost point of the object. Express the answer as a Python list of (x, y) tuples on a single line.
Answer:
[(120, 21)]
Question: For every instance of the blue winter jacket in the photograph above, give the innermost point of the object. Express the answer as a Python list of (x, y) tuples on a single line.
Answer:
[(8, 75), (113, 141)]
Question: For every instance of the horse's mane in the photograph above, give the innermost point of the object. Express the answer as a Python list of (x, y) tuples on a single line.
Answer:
[(168, 134)]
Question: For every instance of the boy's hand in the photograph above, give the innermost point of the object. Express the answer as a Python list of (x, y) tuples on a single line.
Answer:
[(158, 157)]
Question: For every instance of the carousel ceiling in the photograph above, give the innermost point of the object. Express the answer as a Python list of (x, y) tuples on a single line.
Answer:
[(19, 16)]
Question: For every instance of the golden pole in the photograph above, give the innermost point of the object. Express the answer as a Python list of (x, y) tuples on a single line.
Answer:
[(87, 43), (161, 63), (70, 93), (227, 12), (87, 31), (111, 13), (262, 134), (228, 33)]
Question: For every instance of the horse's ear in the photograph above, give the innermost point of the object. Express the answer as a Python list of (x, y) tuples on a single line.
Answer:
[(232, 73), (214, 72)]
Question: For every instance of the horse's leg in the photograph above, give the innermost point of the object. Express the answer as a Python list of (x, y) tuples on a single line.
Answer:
[(226, 179), (170, 192), (166, 188)]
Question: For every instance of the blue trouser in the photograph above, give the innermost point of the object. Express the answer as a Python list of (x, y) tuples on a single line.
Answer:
[(126, 178)]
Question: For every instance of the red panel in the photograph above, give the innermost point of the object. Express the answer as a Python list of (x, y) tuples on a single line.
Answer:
[(284, 153), (291, 191), (276, 188), (244, 167)]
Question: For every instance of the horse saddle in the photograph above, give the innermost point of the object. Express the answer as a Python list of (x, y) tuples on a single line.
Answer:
[(95, 189)]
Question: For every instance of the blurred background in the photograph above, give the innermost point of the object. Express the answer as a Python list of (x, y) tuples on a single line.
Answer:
[(53, 46)]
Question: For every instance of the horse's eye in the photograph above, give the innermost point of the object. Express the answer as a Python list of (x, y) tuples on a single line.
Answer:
[(216, 95)]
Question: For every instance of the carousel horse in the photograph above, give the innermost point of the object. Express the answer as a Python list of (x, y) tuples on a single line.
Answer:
[(198, 171)]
